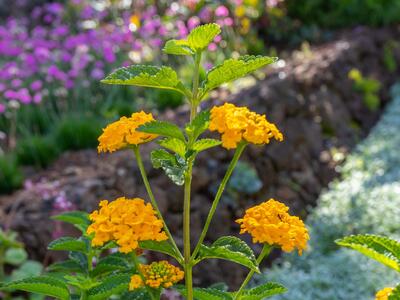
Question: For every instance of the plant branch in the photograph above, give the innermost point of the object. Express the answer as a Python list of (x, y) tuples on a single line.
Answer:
[(221, 188), (264, 252), (153, 200)]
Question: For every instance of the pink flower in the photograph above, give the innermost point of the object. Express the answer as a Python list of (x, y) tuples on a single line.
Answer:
[(212, 47), (37, 98), (193, 22), (222, 11), (2, 108), (228, 21), (36, 85)]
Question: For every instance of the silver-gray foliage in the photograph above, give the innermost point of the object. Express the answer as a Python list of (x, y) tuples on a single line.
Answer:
[(365, 200)]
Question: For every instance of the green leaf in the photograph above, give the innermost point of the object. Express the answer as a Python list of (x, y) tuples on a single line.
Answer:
[(232, 69), (174, 166), (162, 128), (79, 219), (177, 47), (147, 76), (67, 266), (44, 285), (380, 248), (201, 36), (395, 294), (68, 244), (174, 145), (263, 291), (29, 268), (15, 256), (111, 285), (110, 264), (206, 293), (162, 247), (137, 294), (79, 258), (199, 124), (205, 144), (232, 249)]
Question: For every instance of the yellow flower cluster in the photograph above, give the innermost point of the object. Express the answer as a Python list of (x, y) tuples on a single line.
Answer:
[(157, 274), (271, 223), (123, 132), (126, 221), (384, 294), (239, 123), (136, 282)]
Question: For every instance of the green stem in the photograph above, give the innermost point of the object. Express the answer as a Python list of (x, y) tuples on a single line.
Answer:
[(221, 188), (194, 101), (186, 233), (2, 273), (264, 252), (153, 200)]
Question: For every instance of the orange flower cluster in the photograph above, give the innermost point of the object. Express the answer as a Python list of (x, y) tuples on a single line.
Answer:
[(157, 274), (271, 223), (126, 221), (384, 294), (239, 123), (123, 132)]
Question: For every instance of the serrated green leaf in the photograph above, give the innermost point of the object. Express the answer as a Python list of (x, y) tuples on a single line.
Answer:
[(174, 145), (147, 76), (395, 294), (137, 294), (110, 264), (68, 244), (174, 166), (232, 69), (177, 47), (67, 266), (199, 124), (162, 128), (162, 247), (111, 285), (206, 293), (263, 291), (43, 285), (205, 144), (79, 219), (379, 248), (15, 256), (201, 36), (79, 258), (230, 248)]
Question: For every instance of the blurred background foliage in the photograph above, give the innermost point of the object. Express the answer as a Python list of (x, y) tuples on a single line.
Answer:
[(53, 54)]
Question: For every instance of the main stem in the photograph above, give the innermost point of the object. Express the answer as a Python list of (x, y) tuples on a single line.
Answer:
[(153, 200), (187, 188), (232, 165), (264, 252)]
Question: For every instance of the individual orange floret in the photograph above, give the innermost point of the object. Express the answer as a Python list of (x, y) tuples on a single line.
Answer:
[(123, 132), (383, 294), (161, 274), (125, 221), (239, 123), (270, 223), (136, 282)]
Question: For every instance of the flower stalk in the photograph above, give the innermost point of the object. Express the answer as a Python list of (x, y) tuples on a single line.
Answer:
[(264, 252)]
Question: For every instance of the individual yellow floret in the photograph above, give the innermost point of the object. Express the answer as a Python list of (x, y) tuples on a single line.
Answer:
[(161, 274), (383, 294)]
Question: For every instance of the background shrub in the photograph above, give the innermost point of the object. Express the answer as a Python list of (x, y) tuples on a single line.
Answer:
[(36, 151), (76, 132), (10, 174), (366, 200)]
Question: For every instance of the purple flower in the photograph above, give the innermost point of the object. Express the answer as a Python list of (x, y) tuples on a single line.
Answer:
[(36, 85), (109, 55), (222, 11), (24, 96), (193, 22), (11, 95), (2, 108), (97, 74), (16, 83), (37, 98)]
